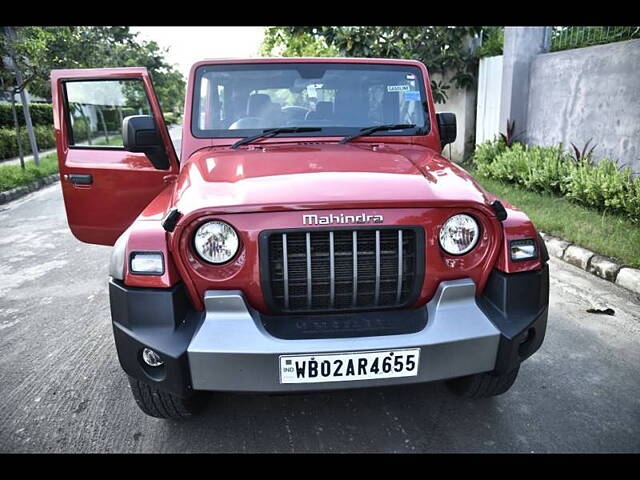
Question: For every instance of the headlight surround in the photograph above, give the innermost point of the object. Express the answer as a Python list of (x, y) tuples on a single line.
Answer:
[(459, 234), (216, 242)]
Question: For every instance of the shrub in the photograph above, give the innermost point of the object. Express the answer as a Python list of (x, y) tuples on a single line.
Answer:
[(41, 114), (45, 138), (550, 169), (487, 151)]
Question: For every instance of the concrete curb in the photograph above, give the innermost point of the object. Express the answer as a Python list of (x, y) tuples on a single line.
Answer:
[(15, 193), (598, 265)]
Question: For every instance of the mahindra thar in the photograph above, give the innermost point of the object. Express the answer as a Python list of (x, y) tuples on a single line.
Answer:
[(308, 235)]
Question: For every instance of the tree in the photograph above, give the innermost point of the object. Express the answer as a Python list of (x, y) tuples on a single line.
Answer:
[(38, 50), (279, 42), (443, 49)]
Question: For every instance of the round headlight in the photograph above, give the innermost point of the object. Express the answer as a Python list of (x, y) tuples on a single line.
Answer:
[(459, 234), (216, 242)]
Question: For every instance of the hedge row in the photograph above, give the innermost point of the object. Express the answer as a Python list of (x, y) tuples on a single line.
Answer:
[(604, 185), (41, 114), (45, 138)]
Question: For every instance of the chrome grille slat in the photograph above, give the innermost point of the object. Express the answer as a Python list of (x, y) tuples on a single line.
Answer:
[(332, 272), (309, 283), (341, 269), (376, 295), (285, 270), (354, 250), (399, 288)]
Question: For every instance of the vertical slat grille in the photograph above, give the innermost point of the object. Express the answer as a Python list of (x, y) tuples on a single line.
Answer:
[(342, 269)]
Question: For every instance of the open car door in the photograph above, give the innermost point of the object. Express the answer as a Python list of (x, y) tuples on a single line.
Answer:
[(105, 187)]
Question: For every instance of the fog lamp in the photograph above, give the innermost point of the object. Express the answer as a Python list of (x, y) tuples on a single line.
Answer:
[(151, 358)]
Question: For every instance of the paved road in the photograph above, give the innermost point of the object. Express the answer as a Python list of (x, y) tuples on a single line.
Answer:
[(62, 390)]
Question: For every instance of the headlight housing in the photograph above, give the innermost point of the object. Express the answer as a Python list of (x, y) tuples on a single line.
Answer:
[(459, 234), (216, 242)]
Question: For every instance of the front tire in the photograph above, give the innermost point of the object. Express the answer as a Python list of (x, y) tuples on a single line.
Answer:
[(483, 385), (160, 404)]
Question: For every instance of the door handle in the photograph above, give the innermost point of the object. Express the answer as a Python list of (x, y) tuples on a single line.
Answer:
[(80, 179)]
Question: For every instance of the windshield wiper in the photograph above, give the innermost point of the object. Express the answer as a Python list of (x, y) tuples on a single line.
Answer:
[(272, 132), (377, 128)]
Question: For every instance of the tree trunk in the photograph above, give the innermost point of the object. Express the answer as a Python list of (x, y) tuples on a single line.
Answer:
[(86, 121), (104, 124), (17, 125), (25, 105)]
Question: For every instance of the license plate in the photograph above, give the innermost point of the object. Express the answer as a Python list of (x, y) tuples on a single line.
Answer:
[(347, 366)]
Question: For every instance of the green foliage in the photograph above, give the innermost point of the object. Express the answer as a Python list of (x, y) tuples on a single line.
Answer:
[(443, 49), (41, 114), (38, 50), (12, 176), (45, 138), (550, 169), (171, 118), (492, 42), (279, 43), (487, 151)]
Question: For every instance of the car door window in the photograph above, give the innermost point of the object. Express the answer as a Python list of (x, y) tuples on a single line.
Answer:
[(96, 109)]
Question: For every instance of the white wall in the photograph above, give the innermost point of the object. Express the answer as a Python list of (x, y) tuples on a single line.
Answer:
[(588, 93), (462, 102), (489, 91)]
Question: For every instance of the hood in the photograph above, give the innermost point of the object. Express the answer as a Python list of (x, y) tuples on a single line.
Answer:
[(321, 176)]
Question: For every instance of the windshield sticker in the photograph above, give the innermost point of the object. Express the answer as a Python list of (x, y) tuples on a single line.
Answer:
[(411, 76), (412, 96), (398, 88)]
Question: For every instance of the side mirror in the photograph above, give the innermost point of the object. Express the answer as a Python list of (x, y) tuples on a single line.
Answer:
[(446, 127), (140, 134)]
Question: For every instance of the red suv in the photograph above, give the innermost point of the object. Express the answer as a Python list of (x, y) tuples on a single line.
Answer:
[(308, 235)]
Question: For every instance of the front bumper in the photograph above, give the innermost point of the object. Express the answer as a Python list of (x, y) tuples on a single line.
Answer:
[(228, 348)]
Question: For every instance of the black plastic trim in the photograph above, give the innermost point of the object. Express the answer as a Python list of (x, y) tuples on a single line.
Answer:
[(498, 208), (169, 222), (346, 325), (517, 304), (160, 319)]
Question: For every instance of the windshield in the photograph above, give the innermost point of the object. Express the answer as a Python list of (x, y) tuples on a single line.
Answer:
[(340, 98)]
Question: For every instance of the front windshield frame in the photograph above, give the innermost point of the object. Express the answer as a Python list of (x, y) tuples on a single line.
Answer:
[(327, 131)]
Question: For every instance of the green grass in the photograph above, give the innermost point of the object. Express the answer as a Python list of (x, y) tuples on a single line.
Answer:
[(12, 176), (607, 234)]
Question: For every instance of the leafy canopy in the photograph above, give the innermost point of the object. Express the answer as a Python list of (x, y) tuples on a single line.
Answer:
[(38, 50), (445, 50)]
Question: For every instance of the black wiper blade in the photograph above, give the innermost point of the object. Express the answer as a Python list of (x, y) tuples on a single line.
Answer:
[(272, 132), (377, 128)]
